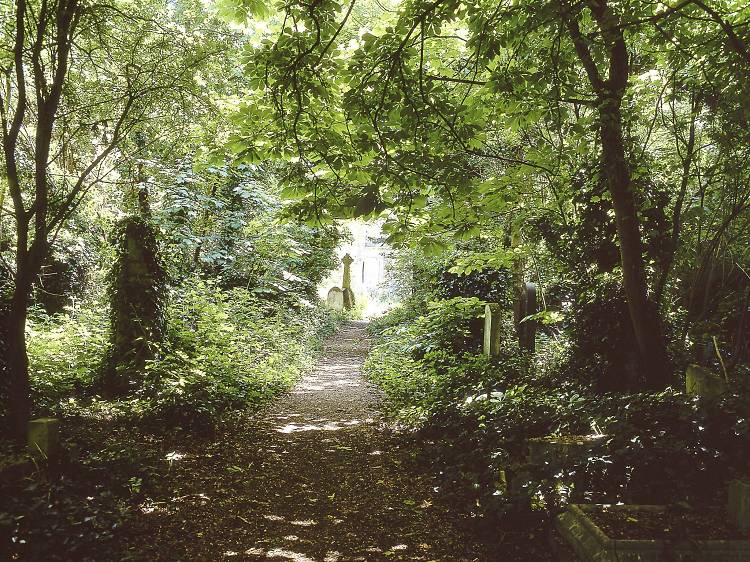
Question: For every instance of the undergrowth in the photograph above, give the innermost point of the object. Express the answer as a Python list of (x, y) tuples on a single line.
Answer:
[(224, 349), (226, 352), (474, 415)]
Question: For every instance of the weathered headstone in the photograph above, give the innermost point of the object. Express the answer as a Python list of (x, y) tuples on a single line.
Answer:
[(529, 333), (346, 285), (492, 312), (739, 503), (502, 481), (702, 382), (335, 298), (43, 437)]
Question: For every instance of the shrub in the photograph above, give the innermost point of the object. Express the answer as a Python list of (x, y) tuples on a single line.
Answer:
[(65, 354), (230, 349)]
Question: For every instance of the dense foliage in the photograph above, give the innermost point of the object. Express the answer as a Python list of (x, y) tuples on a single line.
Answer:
[(592, 143), (478, 414), (173, 179)]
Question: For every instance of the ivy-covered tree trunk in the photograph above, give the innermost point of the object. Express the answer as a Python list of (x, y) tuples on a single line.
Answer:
[(643, 313), (5, 296), (137, 291)]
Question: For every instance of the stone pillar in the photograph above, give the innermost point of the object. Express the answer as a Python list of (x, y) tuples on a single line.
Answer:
[(43, 437), (526, 305), (492, 312), (346, 286), (528, 341)]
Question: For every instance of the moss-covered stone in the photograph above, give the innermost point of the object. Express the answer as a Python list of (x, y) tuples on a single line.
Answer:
[(593, 545), (43, 437), (739, 503), (702, 382)]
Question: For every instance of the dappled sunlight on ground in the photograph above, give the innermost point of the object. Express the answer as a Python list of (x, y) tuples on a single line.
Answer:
[(324, 425), (317, 479)]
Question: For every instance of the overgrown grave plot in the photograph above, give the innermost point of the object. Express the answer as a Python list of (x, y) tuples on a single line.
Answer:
[(675, 531), (649, 533), (661, 446)]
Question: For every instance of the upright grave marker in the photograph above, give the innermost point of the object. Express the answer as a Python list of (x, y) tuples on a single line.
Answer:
[(492, 313), (43, 437), (335, 298), (739, 503), (702, 382)]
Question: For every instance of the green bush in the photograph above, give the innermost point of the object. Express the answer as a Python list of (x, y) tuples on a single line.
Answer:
[(65, 354), (230, 349)]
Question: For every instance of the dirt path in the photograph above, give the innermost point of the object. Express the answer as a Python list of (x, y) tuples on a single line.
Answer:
[(315, 479)]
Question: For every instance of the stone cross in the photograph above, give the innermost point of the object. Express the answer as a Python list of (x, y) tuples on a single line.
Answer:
[(348, 261), (346, 286)]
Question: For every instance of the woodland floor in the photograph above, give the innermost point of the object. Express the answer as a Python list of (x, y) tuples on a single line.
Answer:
[(316, 477), (313, 479)]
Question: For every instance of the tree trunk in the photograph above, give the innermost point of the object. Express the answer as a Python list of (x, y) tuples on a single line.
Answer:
[(610, 90), (645, 321), (19, 400)]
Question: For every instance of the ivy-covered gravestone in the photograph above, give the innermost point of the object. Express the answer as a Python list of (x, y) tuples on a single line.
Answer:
[(138, 298)]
